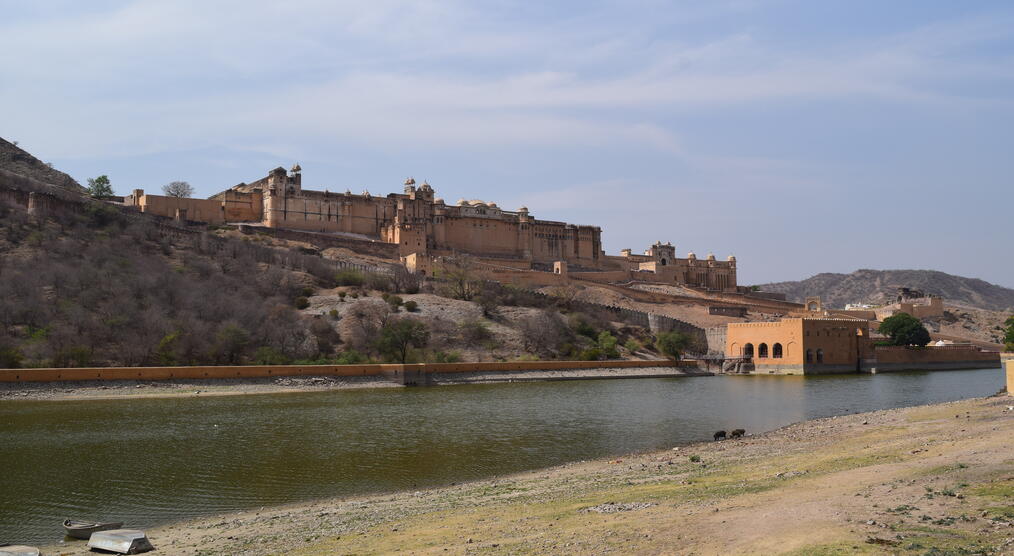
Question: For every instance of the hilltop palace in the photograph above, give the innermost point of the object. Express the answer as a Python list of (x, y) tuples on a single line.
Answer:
[(424, 227)]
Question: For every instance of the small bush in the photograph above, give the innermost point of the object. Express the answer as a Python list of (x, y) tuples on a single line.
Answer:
[(633, 345), (607, 344), (581, 325), (307, 291), (394, 301), (695, 458), (302, 302), (411, 306), (591, 354), (528, 357), (446, 357), (475, 331), (349, 278), (10, 357), (269, 356), (341, 295), (567, 349), (333, 313), (350, 357)]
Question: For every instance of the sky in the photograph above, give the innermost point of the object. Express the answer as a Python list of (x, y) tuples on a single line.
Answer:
[(800, 136)]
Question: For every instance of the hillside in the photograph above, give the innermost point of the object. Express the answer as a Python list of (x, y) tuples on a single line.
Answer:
[(17, 160), (881, 286)]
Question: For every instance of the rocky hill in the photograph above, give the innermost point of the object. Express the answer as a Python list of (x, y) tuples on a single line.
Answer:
[(881, 286), (17, 160)]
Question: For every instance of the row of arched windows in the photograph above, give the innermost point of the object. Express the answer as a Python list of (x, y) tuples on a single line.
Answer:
[(810, 356), (762, 351)]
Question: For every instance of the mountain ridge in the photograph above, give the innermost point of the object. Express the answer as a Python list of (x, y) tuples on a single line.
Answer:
[(19, 161), (881, 286)]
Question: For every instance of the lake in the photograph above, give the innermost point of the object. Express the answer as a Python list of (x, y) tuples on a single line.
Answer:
[(151, 461)]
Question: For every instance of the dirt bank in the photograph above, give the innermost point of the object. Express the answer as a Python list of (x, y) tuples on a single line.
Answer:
[(116, 389), (932, 479)]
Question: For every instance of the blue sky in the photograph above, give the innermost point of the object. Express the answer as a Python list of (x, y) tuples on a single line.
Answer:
[(801, 136)]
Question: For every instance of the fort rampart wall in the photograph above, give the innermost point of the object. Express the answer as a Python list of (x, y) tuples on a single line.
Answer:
[(363, 246)]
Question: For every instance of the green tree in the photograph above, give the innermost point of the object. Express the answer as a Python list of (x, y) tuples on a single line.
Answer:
[(10, 356), (607, 344), (1008, 338), (905, 330), (231, 341), (398, 337), (100, 186), (673, 344)]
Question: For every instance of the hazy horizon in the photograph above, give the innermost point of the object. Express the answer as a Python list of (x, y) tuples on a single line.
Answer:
[(801, 137)]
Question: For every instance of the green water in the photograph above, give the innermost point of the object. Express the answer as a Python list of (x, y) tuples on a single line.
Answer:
[(151, 461)]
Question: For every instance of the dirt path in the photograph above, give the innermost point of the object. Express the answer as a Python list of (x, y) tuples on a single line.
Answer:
[(926, 480)]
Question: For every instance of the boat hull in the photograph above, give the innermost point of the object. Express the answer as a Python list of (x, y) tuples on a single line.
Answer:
[(83, 530)]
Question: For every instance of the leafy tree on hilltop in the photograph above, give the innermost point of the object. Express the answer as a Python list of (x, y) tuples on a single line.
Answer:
[(100, 187), (905, 330), (179, 189)]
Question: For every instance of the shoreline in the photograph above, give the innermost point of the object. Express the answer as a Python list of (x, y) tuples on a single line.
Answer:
[(893, 481), (177, 388)]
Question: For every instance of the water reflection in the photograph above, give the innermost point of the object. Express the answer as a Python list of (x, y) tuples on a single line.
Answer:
[(148, 461)]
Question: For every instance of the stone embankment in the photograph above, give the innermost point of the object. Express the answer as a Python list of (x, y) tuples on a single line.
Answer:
[(313, 379)]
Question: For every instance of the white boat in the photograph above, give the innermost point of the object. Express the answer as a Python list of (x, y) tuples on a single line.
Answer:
[(18, 550), (124, 541)]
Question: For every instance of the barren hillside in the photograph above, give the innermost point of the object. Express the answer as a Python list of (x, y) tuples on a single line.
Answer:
[(17, 160), (881, 286)]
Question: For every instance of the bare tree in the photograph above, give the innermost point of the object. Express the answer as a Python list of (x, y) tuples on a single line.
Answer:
[(404, 281), (460, 277), (542, 332), (361, 323), (179, 189)]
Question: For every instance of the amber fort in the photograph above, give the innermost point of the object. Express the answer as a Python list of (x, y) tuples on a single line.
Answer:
[(424, 227)]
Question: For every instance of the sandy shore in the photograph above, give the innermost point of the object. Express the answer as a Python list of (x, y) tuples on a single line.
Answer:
[(116, 389), (926, 480)]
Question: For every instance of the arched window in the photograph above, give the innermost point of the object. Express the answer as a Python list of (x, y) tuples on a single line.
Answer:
[(820, 356), (776, 351), (762, 350), (809, 356), (748, 350), (664, 262)]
